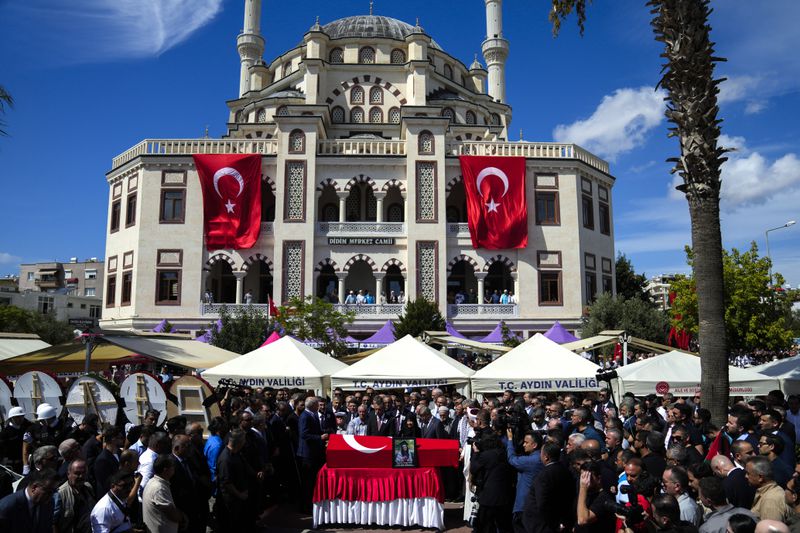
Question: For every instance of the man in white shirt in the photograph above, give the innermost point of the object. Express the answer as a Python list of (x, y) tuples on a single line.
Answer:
[(159, 444), (158, 508), (110, 514)]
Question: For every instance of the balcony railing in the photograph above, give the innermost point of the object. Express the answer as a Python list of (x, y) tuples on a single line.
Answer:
[(460, 229), (468, 310), (197, 146), (529, 150), (214, 309), (361, 228), (377, 310), (361, 147)]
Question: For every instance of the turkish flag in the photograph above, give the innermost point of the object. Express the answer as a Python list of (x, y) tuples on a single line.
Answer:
[(497, 212), (231, 186)]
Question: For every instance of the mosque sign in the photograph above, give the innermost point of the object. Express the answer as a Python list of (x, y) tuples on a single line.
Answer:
[(361, 241)]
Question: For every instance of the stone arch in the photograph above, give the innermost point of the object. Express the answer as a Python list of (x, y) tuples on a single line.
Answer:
[(393, 262), (360, 257), (503, 259), (220, 256), (394, 183), (268, 181), (367, 79), (361, 178), (256, 258), (328, 182), (453, 182), (326, 262), (462, 257)]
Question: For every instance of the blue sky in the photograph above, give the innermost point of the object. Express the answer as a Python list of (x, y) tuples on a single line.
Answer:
[(95, 78)]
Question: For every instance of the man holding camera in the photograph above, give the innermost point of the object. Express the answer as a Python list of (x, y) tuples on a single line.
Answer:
[(595, 509), (527, 465)]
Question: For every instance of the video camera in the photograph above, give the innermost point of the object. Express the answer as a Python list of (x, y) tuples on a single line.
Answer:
[(632, 512)]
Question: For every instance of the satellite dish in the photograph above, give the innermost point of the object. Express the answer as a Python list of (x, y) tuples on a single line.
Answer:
[(189, 397), (141, 391), (91, 395), (5, 400), (35, 388)]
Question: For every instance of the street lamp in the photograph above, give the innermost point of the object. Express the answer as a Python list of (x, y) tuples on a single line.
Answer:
[(769, 256)]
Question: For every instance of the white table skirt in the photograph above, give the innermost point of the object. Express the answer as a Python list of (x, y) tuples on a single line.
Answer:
[(424, 512)]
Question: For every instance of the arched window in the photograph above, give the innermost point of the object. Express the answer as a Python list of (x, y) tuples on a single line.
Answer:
[(398, 56), (357, 115), (261, 116), (394, 115), (426, 143), (357, 95), (376, 95), (282, 111), (449, 113), (287, 68), (337, 115), (376, 115), (470, 117), (448, 72), (237, 117), (366, 55), (495, 119), (297, 142), (337, 55)]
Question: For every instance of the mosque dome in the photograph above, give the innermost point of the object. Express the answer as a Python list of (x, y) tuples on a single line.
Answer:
[(371, 26)]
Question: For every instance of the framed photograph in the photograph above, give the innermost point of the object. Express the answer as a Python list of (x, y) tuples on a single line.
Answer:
[(404, 452)]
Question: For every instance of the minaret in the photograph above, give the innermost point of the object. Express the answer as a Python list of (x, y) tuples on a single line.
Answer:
[(495, 50), (249, 43)]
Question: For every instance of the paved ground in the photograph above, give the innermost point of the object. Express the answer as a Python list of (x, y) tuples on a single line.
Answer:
[(286, 519)]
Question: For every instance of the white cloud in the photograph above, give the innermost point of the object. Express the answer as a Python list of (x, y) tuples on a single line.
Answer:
[(754, 107), (102, 30), (736, 88), (619, 124), (6, 258)]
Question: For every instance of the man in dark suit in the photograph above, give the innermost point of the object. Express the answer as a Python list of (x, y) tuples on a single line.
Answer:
[(379, 423), (550, 502), (107, 462), (183, 484), (30, 510), (429, 427), (310, 450), (494, 480)]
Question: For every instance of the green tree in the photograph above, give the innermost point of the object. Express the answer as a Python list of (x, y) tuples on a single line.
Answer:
[(756, 317), (688, 77), (634, 315), (418, 316), (629, 283), (243, 330), (5, 100), (51, 330), (509, 338), (315, 319)]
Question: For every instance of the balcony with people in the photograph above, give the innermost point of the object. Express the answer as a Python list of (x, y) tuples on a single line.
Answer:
[(474, 292), (361, 208)]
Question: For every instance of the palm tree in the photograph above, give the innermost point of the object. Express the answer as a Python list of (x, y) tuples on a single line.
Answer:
[(688, 77), (5, 100)]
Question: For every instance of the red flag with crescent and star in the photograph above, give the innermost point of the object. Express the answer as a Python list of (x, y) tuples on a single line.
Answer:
[(497, 211), (231, 186)]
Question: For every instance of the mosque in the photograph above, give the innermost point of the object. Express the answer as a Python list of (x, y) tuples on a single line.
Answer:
[(360, 127)]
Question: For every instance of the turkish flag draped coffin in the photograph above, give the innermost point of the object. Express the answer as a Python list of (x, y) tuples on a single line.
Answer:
[(497, 211), (231, 186), (351, 451)]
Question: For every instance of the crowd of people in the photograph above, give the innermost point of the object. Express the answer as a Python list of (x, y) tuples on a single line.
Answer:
[(529, 462)]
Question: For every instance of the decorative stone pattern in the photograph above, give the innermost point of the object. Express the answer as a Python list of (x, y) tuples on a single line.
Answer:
[(472, 262), (395, 213), (376, 95), (329, 182), (293, 259), (470, 117), (337, 55), (361, 178), (295, 190), (297, 142), (367, 79), (426, 270), (325, 263), (357, 95), (366, 55), (394, 115), (503, 259), (375, 115), (398, 56), (261, 116), (221, 257), (337, 115), (394, 183), (282, 111), (357, 115), (372, 205), (269, 182), (353, 205), (393, 262), (449, 113), (255, 258), (455, 180), (426, 143), (360, 257), (426, 191)]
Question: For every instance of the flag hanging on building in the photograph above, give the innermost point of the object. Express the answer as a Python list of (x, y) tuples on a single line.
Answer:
[(231, 186), (497, 212)]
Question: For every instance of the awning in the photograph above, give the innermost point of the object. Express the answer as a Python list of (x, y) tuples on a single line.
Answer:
[(14, 344), (67, 357), (609, 337), (47, 270), (180, 351)]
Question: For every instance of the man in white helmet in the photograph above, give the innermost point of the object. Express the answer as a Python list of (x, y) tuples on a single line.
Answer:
[(11, 439), (46, 431)]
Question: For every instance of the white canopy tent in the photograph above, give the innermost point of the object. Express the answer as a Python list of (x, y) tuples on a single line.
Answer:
[(538, 365), (283, 363), (679, 373), (406, 362), (786, 371)]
